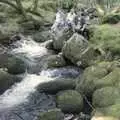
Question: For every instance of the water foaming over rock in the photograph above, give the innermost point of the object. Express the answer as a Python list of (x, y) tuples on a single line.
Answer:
[(19, 92), (29, 48)]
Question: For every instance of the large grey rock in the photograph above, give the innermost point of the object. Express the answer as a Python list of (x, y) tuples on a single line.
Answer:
[(6, 80), (54, 114), (53, 61), (78, 51), (70, 101), (57, 85)]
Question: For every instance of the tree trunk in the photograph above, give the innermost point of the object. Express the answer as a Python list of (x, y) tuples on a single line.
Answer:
[(21, 9)]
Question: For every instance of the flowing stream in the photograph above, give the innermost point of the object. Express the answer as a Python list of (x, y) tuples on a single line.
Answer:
[(22, 100)]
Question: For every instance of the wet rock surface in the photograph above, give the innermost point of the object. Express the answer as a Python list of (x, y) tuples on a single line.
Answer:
[(30, 110), (7, 80), (69, 101)]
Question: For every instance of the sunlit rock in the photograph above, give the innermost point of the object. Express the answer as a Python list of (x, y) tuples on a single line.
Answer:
[(78, 51)]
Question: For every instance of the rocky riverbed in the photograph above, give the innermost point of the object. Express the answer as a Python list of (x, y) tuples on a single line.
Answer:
[(58, 77)]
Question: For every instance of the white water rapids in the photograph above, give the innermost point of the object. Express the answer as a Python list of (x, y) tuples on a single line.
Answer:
[(23, 100), (20, 91), (29, 47)]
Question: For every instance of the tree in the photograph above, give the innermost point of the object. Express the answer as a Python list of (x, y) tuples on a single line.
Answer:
[(17, 5), (21, 9)]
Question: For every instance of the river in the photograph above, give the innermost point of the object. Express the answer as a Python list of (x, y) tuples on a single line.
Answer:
[(22, 101)]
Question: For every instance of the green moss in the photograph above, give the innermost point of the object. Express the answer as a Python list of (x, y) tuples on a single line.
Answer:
[(70, 101), (98, 76), (107, 37), (106, 96), (113, 110), (111, 18), (85, 84)]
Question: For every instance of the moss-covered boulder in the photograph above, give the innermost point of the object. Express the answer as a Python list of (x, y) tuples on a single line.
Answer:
[(106, 96), (107, 37), (6, 80), (112, 111), (78, 51), (98, 76), (111, 18), (102, 82), (70, 101), (54, 114)]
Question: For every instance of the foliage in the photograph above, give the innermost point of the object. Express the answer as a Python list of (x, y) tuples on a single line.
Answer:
[(107, 37), (111, 18)]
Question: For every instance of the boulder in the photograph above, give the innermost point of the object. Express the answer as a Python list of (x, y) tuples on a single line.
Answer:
[(102, 82), (54, 114), (112, 111), (60, 39), (6, 80), (78, 51), (15, 65), (106, 96), (69, 101), (53, 61), (57, 85), (98, 76)]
